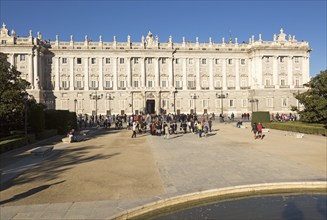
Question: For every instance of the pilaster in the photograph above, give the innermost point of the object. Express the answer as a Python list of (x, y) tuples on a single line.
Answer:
[(290, 71), (143, 82), (86, 73), (156, 72), (184, 73), (211, 82), (30, 69), (197, 70), (170, 72), (100, 73), (115, 73), (237, 73), (275, 72), (224, 85), (57, 77), (129, 72), (71, 73), (36, 70)]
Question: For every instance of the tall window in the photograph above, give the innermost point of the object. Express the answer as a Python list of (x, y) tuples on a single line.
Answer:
[(205, 84), (22, 57), (284, 102), (217, 61), (149, 60), (281, 59), (121, 60), (79, 60), (282, 82), (191, 103), (164, 83), (177, 61), (244, 103), (64, 60), (205, 103), (135, 83), (190, 61), (150, 83), (217, 83), (179, 84), (108, 84), (93, 84), (163, 60), (93, 60), (136, 60), (267, 82), (64, 84), (107, 60), (204, 61), (79, 84), (270, 102), (242, 61), (191, 84), (121, 84), (231, 103), (230, 61), (296, 59)]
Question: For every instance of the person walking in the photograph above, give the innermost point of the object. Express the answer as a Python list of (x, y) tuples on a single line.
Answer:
[(255, 130), (199, 127), (260, 130), (134, 129)]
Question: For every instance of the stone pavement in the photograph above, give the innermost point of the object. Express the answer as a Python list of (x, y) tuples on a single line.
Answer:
[(111, 173)]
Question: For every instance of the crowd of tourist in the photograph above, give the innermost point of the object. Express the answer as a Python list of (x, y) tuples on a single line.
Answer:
[(284, 117)]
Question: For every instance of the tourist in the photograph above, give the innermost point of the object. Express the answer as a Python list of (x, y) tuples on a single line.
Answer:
[(199, 127), (260, 130), (134, 129), (255, 130)]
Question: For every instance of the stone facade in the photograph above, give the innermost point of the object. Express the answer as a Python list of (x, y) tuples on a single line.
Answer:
[(124, 77)]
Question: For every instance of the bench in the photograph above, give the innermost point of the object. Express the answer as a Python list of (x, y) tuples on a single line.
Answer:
[(42, 151)]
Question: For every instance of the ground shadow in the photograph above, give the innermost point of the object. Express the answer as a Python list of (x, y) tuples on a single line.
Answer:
[(29, 193)]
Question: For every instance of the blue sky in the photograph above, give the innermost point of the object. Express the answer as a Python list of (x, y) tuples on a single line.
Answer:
[(216, 19)]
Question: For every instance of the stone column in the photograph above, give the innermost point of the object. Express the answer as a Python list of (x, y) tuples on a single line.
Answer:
[(100, 73), (250, 72), (224, 83), (254, 73), (197, 71), (290, 71), (30, 70), (36, 70), (259, 71), (115, 73), (306, 69), (185, 73), (237, 73), (211, 82), (71, 74), (143, 79), (275, 72), (57, 74), (86, 74), (129, 72), (171, 72), (156, 72)]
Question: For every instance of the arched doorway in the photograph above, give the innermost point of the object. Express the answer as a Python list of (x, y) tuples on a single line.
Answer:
[(150, 106)]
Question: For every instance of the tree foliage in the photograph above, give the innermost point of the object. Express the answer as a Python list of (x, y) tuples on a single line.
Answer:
[(12, 92), (314, 100)]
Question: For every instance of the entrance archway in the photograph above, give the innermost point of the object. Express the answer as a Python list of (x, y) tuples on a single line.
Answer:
[(150, 106)]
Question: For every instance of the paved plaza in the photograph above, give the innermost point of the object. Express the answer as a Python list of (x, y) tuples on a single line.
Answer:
[(110, 172)]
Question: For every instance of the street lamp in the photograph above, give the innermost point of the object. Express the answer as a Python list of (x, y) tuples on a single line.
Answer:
[(75, 103), (252, 101), (96, 97), (222, 97), (195, 97), (109, 97), (175, 100)]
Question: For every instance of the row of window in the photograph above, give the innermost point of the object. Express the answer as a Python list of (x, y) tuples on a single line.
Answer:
[(204, 103), (136, 61), (267, 59)]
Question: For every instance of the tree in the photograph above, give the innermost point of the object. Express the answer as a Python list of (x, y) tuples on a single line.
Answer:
[(314, 100), (12, 96)]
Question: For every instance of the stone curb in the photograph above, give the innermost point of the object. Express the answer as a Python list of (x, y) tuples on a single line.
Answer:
[(223, 193)]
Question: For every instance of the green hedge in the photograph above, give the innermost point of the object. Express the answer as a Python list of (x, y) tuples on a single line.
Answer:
[(62, 120), (36, 118), (17, 142), (261, 117), (298, 127), (46, 134)]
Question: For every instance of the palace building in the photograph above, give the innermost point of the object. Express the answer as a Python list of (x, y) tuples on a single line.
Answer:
[(154, 77)]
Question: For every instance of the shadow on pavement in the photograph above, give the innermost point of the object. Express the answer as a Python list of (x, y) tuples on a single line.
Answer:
[(29, 192)]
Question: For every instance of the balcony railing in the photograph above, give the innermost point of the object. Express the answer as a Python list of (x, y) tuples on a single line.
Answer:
[(245, 87), (284, 87), (269, 86)]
